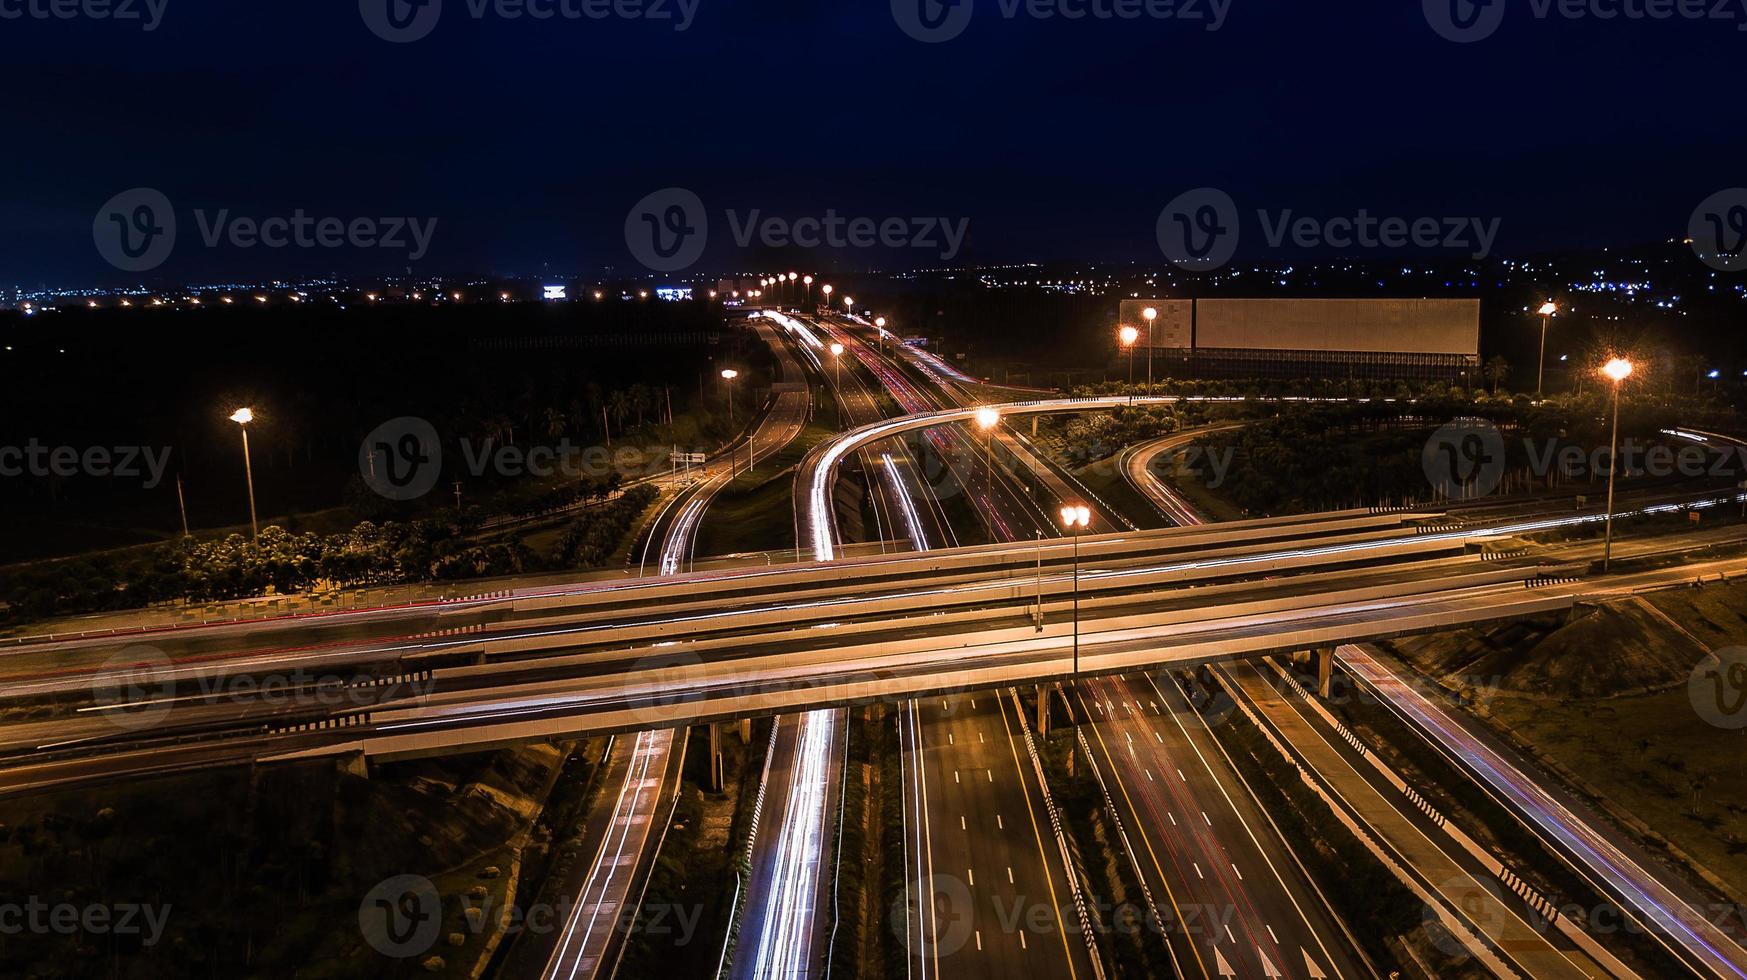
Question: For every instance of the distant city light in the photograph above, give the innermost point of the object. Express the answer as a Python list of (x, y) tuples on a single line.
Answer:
[(558, 292)]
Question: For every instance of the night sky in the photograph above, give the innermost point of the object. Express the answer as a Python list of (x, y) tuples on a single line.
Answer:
[(529, 141)]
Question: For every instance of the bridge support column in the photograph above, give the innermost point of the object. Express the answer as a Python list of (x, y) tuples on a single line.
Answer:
[(1042, 710), (356, 764), (1034, 419), (1325, 669), (716, 768), (746, 731)]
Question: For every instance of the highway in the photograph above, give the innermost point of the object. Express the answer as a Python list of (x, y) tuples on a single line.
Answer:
[(990, 891), (1159, 770), (644, 766), (1673, 913)]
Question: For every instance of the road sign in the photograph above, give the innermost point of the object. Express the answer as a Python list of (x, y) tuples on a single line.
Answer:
[(687, 459)]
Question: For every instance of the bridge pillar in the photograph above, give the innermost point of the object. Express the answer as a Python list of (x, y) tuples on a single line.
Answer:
[(1325, 669), (356, 764), (746, 731), (1034, 419), (1042, 710), (716, 757)]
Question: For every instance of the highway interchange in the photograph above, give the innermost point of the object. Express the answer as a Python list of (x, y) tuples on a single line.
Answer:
[(950, 633)]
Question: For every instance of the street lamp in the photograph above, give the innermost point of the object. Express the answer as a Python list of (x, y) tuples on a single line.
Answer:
[(837, 381), (987, 419), (729, 376), (849, 305), (1127, 336), (792, 278), (1547, 310), (827, 289), (1617, 371), (1150, 314), (242, 417), (808, 282), (880, 325), (1076, 518)]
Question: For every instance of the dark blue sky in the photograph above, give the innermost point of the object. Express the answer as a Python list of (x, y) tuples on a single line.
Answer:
[(529, 141)]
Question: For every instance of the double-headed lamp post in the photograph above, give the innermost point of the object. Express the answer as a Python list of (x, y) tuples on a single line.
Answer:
[(987, 419), (242, 417), (1150, 314), (1127, 336), (1617, 371), (1547, 310), (1076, 518)]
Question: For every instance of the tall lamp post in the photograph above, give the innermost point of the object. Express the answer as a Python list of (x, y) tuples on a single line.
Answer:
[(837, 382), (242, 417), (808, 282), (1547, 310), (792, 277), (1127, 336), (1150, 314), (880, 325), (1076, 518), (987, 419), (728, 377), (826, 289), (1617, 371)]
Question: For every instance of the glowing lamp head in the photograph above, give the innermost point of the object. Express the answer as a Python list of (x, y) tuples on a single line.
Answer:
[(988, 418), (1549, 308), (827, 288), (1075, 516), (807, 280), (880, 322), (730, 374), (242, 416), (1617, 370), (1128, 335), (1150, 314), (836, 350), (793, 277)]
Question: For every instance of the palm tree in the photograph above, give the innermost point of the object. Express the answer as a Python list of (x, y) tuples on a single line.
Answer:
[(620, 405), (557, 423), (1496, 371)]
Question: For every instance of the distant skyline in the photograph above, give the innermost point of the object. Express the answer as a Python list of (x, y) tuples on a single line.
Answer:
[(529, 143)]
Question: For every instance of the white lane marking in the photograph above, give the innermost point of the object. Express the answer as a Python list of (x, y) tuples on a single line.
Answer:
[(1240, 874)]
